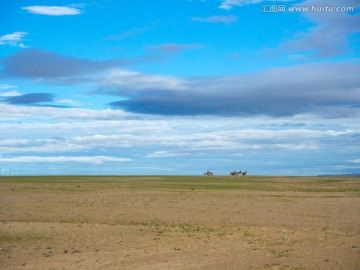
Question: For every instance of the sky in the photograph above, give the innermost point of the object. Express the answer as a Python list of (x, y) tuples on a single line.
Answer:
[(179, 87)]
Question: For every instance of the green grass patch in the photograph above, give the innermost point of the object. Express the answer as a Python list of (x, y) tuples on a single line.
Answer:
[(6, 237)]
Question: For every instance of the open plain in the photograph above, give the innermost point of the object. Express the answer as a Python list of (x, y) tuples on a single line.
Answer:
[(174, 222)]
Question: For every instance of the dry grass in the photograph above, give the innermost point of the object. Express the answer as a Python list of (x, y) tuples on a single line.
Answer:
[(179, 223)]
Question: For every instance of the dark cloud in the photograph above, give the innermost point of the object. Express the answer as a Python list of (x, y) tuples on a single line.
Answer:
[(29, 99), (54, 106), (33, 99), (331, 90), (202, 104), (48, 66)]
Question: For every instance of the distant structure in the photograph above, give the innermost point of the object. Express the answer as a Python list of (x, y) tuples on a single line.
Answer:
[(235, 173), (208, 173)]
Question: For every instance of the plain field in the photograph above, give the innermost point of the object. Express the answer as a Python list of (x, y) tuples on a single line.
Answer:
[(179, 222)]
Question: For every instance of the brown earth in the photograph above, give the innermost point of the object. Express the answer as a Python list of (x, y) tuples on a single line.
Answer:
[(122, 223)]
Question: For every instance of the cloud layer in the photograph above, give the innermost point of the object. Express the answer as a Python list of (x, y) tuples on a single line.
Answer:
[(329, 89), (191, 144)]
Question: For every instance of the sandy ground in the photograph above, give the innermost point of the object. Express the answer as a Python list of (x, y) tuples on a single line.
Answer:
[(116, 226)]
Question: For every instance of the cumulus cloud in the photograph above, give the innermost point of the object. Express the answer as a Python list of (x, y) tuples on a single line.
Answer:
[(81, 159), (15, 39), (216, 19), (52, 10)]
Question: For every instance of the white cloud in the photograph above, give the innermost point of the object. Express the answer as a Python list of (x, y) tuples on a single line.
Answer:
[(161, 154), (155, 134), (194, 140), (216, 19), (7, 86), (129, 80), (68, 102), (228, 4), (15, 39), (8, 111), (52, 10), (10, 94), (80, 159)]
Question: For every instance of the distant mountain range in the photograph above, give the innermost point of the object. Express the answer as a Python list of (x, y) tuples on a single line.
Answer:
[(343, 175)]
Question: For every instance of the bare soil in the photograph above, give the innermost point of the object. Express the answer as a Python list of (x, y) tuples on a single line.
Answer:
[(179, 223)]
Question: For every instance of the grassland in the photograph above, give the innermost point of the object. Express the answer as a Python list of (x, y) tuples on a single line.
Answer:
[(179, 222)]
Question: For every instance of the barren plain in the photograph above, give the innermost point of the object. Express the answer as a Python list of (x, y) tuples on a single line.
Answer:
[(174, 222)]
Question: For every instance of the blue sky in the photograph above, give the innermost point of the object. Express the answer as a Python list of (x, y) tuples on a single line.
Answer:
[(180, 87)]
